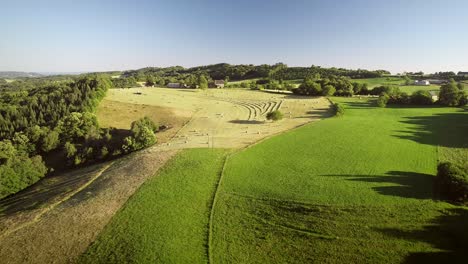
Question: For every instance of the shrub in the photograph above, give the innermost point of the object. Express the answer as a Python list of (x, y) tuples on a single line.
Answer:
[(382, 100), (70, 150), (463, 99), (50, 141), (385, 89), (328, 90), (245, 85), (288, 86), (400, 98), (275, 115), (451, 183), (273, 85), (142, 135), (144, 122), (449, 94), (421, 97), (338, 109), (104, 152), (309, 87)]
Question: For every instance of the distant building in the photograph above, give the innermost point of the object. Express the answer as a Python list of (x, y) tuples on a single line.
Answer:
[(434, 81), (174, 85), (219, 83), (463, 74), (422, 83)]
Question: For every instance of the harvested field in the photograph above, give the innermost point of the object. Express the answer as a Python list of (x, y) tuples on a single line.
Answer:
[(228, 118), (120, 115)]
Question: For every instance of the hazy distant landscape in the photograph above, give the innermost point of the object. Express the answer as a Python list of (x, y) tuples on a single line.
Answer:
[(234, 132)]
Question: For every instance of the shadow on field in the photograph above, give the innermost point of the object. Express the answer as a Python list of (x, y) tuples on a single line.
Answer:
[(448, 130), (247, 122), (299, 97), (321, 113), (407, 184), (448, 233), (365, 103)]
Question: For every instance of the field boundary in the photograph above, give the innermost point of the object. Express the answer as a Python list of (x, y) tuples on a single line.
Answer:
[(57, 203), (213, 204)]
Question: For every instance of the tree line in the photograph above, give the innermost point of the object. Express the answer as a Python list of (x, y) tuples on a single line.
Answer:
[(57, 119), (223, 71), (331, 85), (451, 94)]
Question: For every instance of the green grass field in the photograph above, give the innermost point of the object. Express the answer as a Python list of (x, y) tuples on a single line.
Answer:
[(166, 221), (374, 82), (409, 89), (354, 189), (396, 81)]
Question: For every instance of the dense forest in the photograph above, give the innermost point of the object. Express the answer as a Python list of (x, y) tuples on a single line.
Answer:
[(41, 119)]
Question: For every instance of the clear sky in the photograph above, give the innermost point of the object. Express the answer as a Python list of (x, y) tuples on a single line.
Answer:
[(94, 35)]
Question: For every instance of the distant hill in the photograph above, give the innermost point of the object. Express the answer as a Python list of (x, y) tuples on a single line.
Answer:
[(16, 74)]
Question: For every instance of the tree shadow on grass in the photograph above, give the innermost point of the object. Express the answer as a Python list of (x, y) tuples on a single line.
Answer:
[(299, 97), (247, 122), (321, 112), (448, 233), (364, 104), (406, 184), (448, 129)]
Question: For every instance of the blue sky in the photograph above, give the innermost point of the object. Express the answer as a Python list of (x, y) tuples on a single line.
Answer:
[(86, 35)]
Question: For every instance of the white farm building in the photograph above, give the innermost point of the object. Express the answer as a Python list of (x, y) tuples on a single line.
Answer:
[(422, 83)]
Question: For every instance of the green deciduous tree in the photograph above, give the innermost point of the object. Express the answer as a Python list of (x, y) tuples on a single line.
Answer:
[(202, 82), (452, 94), (328, 90)]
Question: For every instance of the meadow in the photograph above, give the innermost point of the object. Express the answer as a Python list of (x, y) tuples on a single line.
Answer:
[(166, 221), (374, 82), (336, 192), (355, 189), (396, 81)]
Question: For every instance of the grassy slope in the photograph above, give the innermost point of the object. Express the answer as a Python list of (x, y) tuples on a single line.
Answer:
[(352, 189), (409, 89), (374, 82), (166, 221)]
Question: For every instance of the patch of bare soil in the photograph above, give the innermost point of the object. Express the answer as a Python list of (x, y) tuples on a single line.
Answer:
[(57, 219)]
